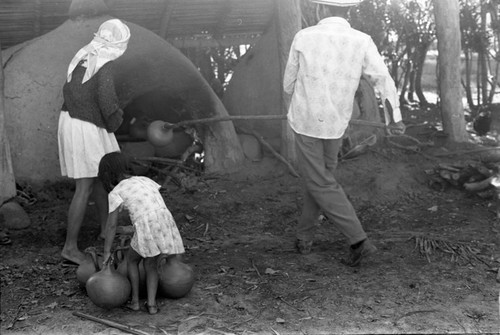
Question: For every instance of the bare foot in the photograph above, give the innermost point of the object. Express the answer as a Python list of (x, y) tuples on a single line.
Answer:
[(152, 309), (133, 306), (76, 256)]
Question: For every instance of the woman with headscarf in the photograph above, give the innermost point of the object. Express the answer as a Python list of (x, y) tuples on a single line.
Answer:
[(89, 117)]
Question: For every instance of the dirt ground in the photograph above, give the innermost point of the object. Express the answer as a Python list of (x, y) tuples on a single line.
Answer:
[(239, 236)]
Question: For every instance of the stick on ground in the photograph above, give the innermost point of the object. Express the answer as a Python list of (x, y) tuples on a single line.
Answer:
[(111, 324)]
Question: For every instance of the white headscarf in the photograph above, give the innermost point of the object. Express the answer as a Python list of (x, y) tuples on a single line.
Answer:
[(109, 43)]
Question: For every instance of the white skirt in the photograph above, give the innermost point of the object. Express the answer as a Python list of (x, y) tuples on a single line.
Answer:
[(81, 146)]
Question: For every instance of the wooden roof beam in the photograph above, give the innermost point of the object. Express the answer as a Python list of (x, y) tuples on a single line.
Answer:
[(38, 16), (209, 42), (223, 15), (167, 15)]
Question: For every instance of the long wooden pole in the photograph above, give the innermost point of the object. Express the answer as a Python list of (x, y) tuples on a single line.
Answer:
[(111, 324), (7, 181), (180, 124)]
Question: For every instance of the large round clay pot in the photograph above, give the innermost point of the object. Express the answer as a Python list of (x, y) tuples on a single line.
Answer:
[(108, 288), (175, 277), (88, 268)]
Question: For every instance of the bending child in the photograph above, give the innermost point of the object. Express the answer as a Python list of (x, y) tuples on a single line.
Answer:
[(155, 229)]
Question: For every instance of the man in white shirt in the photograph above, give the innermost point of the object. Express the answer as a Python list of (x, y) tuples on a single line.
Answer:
[(322, 74)]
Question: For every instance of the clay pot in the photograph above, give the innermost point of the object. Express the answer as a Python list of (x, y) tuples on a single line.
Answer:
[(87, 268), (108, 288), (175, 277), (122, 268), (159, 135)]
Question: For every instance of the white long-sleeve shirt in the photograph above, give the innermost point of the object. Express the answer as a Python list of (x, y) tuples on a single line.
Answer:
[(323, 71)]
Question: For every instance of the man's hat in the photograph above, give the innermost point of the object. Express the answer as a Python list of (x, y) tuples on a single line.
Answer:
[(339, 3)]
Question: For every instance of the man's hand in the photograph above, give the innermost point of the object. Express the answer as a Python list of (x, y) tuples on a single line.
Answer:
[(398, 128)]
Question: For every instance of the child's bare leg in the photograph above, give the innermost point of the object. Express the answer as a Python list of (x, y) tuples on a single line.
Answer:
[(101, 203), (151, 283), (133, 259)]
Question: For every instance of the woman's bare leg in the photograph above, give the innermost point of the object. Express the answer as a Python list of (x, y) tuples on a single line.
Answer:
[(76, 214)]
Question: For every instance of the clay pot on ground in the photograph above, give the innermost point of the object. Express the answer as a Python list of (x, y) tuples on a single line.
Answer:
[(88, 268), (108, 288), (14, 216), (176, 278)]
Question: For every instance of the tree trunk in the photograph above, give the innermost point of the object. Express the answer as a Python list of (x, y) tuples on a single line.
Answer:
[(484, 60), (403, 100), (448, 34), (493, 84), (289, 23), (7, 181), (420, 60), (412, 74), (494, 18), (467, 85)]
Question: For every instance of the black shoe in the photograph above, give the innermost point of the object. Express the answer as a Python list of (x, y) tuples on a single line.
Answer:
[(365, 250), (304, 246)]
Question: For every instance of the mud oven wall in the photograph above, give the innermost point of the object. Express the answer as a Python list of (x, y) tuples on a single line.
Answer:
[(153, 79)]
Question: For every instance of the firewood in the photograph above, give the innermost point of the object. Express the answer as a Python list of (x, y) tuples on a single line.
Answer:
[(448, 167), (189, 151), (445, 174), (478, 186), (484, 170), (437, 183)]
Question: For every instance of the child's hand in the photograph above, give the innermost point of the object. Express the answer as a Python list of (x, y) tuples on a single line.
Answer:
[(105, 257)]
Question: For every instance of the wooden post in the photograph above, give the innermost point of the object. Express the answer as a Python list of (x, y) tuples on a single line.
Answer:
[(7, 181), (288, 16), (448, 35)]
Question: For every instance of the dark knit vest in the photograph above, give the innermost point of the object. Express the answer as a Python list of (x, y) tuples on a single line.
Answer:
[(94, 101)]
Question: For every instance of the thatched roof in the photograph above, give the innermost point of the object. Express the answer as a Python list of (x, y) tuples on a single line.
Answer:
[(184, 23)]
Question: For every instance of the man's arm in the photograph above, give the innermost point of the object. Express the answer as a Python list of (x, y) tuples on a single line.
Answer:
[(397, 128), (376, 72), (291, 69)]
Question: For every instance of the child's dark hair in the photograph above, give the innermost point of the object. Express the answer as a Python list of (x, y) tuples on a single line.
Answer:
[(112, 169)]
